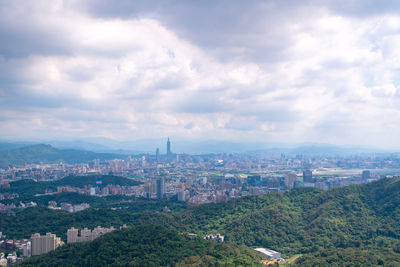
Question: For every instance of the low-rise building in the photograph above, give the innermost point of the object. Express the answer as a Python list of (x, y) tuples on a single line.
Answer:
[(272, 254), (216, 238)]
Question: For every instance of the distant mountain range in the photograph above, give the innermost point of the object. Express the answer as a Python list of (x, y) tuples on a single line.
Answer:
[(8, 146), (20, 155), (84, 149)]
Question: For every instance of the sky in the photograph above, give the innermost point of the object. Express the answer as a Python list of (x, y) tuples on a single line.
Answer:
[(260, 71)]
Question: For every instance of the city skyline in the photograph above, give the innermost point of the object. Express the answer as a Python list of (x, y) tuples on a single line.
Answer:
[(275, 72)]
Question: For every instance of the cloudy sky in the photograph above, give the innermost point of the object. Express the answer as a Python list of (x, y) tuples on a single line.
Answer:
[(266, 71)]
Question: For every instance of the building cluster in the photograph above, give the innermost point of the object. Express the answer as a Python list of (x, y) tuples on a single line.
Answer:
[(94, 190), (87, 234), (43, 171), (68, 206), (217, 238), (146, 164), (155, 189), (198, 179), (10, 260), (40, 244), (7, 195), (195, 179), (8, 209), (12, 246)]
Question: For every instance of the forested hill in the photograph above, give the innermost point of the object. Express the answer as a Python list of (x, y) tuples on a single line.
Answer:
[(358, 220), (354, 225), (48, 154), (148, 245)]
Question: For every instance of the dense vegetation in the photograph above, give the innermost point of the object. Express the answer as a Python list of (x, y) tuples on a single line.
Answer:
[(359, 225), (148, 245), (307, 220), (42, 220), (350, 257), (48, 154)]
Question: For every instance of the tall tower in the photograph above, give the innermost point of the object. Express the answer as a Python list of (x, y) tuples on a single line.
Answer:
[(160, 188), (157, 155), (307, 176), (168, 147), (99, 183)]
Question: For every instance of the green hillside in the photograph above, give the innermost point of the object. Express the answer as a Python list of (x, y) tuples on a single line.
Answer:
[(48, 154), (326, 227), (148, 245), (354, 219)]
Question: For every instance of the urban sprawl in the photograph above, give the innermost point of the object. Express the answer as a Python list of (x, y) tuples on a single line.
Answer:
[(195, 179)]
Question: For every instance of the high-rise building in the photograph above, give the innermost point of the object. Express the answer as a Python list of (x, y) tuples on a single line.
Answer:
[(44, 244), (290, 179), (168, 147), (366, 175), (181, 195), (307, 176), (158, 155), (98, 231), (26, 249), (254, 180), (86, 234), (99, 183), (161, 188), (72, 235)]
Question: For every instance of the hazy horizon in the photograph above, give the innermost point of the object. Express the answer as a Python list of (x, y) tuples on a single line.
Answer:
[(276, 72), (202, 146)]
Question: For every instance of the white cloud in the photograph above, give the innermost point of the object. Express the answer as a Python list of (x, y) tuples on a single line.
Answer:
[(321, 78)]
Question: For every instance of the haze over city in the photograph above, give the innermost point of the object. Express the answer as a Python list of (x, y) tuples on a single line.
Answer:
[(254, 71), (199, 133)]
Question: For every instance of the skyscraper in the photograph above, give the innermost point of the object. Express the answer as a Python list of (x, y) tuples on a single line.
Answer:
[(160, 188), (307, 176), (290, 179), (168, 147), (158, 155), (366, 175), (181, 195)]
